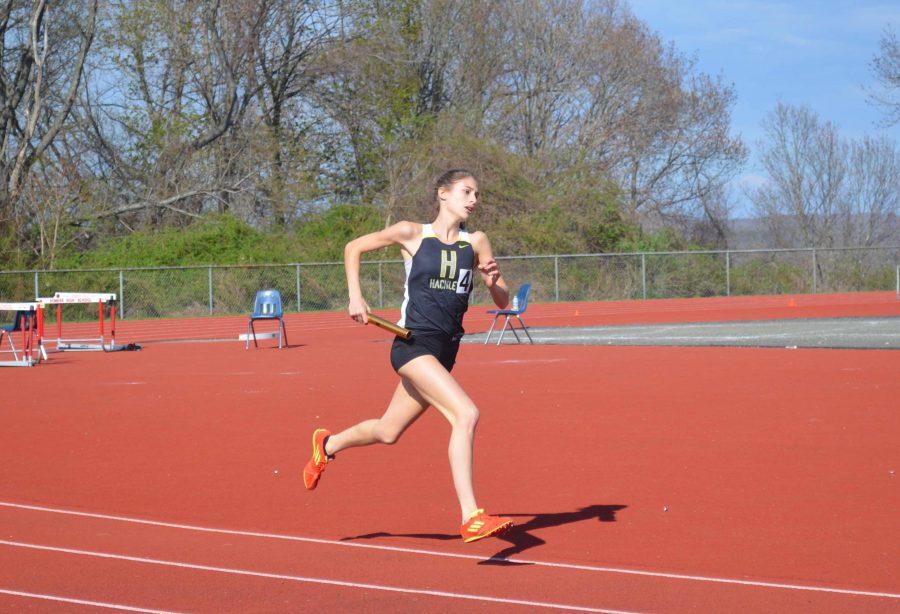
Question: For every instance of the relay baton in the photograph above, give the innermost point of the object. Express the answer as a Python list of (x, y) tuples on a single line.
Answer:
[(403, 333)]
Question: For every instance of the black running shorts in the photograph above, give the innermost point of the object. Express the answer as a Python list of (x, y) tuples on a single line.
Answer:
[(440, 345)]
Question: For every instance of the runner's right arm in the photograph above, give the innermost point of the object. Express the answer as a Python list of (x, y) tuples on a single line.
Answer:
[(401, 233)]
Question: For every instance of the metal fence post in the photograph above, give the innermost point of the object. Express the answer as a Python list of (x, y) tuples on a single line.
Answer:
[(298, 286), (727, 273), (37, 285), (210, 292), (815, 275), (556, 275), (380, 289), (121, 295), (644, 274)]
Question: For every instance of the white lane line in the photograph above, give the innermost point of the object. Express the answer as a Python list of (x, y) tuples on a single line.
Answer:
[(97, 604), (716, 338), (275, 576), (332, 542)]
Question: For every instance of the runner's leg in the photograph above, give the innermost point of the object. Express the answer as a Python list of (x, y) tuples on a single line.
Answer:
[(438, 388), (404, 409)]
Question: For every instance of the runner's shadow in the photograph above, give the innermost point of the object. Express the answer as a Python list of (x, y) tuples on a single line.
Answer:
[(518, 537), (521, 540)]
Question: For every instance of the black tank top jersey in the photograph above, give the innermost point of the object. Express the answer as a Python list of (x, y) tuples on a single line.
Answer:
[(439, 278)]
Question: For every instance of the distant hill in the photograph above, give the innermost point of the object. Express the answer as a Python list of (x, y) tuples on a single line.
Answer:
[(747, 233), (751, 233)]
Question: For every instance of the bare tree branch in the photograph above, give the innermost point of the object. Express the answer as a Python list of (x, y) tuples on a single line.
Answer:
[(168, 203), (886, 66)]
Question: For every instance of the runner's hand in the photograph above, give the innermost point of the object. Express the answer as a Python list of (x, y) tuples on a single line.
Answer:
[(358, 310), (491, 272)]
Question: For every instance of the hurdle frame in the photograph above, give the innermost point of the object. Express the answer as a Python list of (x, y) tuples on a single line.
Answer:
[(32, 343), (88, 344)]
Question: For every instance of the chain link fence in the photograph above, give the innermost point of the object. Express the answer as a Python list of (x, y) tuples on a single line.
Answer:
[(229, 290)]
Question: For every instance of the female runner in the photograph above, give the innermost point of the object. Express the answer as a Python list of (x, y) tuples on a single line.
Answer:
[(440, 260)]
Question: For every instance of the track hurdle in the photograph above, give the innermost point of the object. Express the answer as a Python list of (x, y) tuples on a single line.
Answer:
[(30, 326), (90, 344)]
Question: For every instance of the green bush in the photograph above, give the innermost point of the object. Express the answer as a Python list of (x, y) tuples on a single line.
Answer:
[(766, 275), (224, 239), (321, 237)]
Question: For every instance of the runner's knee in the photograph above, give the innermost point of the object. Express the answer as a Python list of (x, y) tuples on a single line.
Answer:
[(386, 434), (467, 417)]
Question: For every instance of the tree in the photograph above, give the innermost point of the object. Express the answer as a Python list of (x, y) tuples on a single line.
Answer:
[(870, 209), (172, 87), (824, 190), (286, 66), (570, 110), (886, 66), (384, 86), (588, 85), (805, 161), (44, 48), (51, 198), (666, 133), (570, 85)]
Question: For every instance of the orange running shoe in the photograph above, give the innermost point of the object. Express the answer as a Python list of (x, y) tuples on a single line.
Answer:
[(316, 464), (481, 525)]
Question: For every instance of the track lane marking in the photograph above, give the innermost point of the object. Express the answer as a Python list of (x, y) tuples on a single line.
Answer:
[(306, 579), (332, 542), (98, 604)]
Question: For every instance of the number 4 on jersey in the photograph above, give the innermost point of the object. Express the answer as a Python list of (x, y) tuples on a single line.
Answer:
[(464, 284)]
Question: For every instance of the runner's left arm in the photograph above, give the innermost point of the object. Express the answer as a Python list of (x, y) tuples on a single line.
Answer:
[(489, 269)]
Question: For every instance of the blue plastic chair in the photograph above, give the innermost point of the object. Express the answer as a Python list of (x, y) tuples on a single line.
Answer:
[(21, 320), (267, 306), (522, 301)]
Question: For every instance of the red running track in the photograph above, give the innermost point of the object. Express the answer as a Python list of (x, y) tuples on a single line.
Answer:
[(777, 469)]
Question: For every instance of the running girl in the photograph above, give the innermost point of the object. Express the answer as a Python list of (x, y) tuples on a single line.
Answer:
[(440, 259)]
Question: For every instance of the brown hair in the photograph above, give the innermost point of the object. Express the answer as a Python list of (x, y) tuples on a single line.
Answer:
[(446, 181)]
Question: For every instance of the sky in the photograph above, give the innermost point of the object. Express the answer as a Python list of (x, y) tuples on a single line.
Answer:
[(802, 52)]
